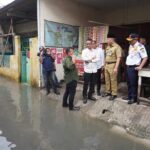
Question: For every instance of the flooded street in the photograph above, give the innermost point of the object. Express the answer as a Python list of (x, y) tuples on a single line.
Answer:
[(32, 121)]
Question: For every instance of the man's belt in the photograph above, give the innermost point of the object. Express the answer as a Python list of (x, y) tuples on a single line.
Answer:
[(110, 63), (132, 66)]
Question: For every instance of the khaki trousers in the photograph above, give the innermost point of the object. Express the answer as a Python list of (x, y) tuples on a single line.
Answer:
[(111, 79)]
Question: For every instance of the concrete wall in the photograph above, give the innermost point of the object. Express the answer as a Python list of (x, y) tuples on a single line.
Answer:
[(130, 15), (26, 27), (13, 72), (34, 63), (66, 11)]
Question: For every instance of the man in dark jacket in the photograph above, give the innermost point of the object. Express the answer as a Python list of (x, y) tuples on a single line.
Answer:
[(71, 78), (47, 62)]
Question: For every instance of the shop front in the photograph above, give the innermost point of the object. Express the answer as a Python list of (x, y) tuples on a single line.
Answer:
[(63, 24), (19, 42)]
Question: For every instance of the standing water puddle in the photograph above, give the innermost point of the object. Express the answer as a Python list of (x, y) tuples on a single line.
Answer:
[(5, 144)]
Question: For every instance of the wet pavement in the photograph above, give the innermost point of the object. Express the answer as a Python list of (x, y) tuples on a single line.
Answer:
[(31, 121)]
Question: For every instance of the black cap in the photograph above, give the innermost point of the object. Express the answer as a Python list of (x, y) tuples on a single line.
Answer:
[(111, 35), (133, 36)]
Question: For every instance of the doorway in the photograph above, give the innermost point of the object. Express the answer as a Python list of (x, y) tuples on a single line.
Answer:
[(25, 60)]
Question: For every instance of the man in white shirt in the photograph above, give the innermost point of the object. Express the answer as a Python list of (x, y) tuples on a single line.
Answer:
[(90, 58), (136, 59), (100, 65)]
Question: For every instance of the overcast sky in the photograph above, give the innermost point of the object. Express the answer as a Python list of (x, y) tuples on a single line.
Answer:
[(5, 2)]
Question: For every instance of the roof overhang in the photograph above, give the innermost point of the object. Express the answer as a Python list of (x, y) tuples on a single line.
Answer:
[(19, 10)]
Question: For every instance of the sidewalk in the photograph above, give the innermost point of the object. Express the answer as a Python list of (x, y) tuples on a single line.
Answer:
[(134, 118)]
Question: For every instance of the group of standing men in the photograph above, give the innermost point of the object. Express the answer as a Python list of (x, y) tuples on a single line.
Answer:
[(96, 60)]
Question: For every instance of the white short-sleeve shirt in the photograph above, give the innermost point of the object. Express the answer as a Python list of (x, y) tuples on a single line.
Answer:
[(136, 53), (101, 56)]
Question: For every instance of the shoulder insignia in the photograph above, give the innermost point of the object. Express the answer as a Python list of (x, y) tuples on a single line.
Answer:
[(142, 49)]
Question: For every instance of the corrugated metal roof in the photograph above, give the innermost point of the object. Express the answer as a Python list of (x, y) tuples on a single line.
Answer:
[(20, 7)]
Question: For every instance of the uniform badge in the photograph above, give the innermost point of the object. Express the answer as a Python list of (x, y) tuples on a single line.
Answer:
[(109, 53), (142, 50), (135, 48)]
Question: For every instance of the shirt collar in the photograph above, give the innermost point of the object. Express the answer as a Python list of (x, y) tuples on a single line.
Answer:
[(136, 44), (112, 45), (90, 49)]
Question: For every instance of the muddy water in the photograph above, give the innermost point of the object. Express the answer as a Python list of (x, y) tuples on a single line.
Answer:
[(31, 121)]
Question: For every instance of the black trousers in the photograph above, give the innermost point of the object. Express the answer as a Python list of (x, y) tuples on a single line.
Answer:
[(70, 93), (99, 71), (49, 81), (132, 81), (89, 83)]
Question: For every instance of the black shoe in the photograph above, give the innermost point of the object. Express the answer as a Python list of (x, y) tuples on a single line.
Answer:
[(113, 97), (65, 105), (106, 94), (130, 102), (85, 99), (92, 98), (57, 93), (74, 109), (47, 93), (126, 98), (59, 86), (93, 92), (99, 93)]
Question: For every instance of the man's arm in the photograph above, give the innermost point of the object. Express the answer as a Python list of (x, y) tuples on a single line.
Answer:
[(52, 58), (70, 64), (41, 57), (119, 55), (85, 58), (97, 57), (102, 58), (144, 57), (144, 60), (117, 65)]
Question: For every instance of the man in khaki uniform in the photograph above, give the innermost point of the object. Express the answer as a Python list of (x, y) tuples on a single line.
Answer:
[(112, 61)]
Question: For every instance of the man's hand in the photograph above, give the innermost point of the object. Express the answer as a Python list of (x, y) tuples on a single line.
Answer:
[(93, 57), (73, 60), (102, 68), (115, 70), (41, 53), (138, 68), (53, 56), (87, 62)]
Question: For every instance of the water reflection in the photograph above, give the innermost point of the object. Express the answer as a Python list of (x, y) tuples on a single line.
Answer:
[(5, 144), (36, 122)]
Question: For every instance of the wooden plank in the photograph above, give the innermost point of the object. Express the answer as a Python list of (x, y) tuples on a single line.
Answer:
[(139, 89), (144, 99), (142, 73)]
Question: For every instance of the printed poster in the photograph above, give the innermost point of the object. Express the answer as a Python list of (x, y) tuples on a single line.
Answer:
[(59, 58), (64, 52)]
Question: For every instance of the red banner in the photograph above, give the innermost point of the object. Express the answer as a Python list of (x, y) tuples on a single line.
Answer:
[(80, 66)]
